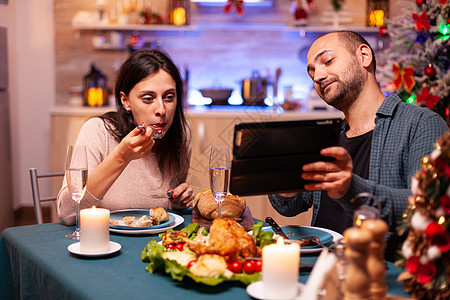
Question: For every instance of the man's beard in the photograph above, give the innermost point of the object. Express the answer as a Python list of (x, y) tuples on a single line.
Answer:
[(348, 88)]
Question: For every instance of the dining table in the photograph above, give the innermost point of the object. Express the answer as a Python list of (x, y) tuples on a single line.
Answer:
[(35, 264)]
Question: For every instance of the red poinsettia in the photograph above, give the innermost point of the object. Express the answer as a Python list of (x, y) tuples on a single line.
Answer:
[(442, 166), (443, 2), (424, 273), (434, 228), (421, 21), (438, 236), (445, 204), (430, 100), (442, 241), (403, 76), (412, 264)]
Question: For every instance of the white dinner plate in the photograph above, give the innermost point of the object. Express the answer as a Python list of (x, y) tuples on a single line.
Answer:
[(256, 290), (75, 249), (178, 220), (336, 236)]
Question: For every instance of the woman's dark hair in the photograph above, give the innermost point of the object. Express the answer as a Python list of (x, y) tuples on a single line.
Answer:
[(172, 150)]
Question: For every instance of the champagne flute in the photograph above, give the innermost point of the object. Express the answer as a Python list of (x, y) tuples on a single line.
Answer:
[(76, 176), (219, 174)]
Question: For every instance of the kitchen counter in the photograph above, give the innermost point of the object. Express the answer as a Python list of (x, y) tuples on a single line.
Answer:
[(210, 125)]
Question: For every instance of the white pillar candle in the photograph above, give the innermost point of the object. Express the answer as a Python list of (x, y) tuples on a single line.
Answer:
[(94, 230), (280, 270)]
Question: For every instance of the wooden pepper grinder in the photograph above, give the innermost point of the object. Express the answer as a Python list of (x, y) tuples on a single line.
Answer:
[(357, 281), (375, 262)]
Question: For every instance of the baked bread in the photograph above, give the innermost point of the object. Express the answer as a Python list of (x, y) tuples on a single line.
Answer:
[(232, 206)]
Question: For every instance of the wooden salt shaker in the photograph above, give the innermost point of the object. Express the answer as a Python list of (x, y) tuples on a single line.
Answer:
[(375, 262), (357, 281)]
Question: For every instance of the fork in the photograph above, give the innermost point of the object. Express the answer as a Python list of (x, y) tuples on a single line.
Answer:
[(313, 238)]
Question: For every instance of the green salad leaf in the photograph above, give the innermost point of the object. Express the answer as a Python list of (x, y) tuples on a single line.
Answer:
[(191, 230), (175, 270), (153, 253), (247, 278), (211, 281), (262, 237)]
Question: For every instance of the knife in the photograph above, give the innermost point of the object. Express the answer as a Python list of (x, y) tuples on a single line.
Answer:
[(276, 227)]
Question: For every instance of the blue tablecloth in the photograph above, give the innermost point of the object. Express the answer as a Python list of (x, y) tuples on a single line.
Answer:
[(35, 264)]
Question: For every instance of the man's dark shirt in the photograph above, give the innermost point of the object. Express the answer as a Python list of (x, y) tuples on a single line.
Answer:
[(331, 215)]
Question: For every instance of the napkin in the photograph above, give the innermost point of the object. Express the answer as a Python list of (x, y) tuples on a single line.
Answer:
[(317, 280)]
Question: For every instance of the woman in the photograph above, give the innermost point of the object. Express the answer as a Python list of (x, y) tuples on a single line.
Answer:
[(126, 164)]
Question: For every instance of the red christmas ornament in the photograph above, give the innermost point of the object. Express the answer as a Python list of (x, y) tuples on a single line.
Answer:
[(430, 71), (382, 31), (419, 2)]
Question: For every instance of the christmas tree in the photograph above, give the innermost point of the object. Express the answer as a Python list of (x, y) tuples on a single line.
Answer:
[(426, 250), (418, 59)]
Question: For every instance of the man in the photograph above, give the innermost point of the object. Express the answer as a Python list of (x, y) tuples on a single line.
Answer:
[(381, 145)]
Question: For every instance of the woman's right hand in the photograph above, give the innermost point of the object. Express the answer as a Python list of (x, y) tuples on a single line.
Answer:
[(136, 144)]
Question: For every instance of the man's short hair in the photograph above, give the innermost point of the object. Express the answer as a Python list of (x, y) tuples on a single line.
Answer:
[(352, 41)]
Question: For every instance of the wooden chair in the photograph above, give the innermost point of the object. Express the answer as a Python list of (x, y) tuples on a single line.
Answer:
[(37, 199)]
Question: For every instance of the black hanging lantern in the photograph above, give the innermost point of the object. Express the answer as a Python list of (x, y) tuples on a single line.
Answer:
[(377, 11), (95, 92)]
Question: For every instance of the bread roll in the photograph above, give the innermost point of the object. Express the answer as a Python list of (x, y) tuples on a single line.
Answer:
[(232, 206)]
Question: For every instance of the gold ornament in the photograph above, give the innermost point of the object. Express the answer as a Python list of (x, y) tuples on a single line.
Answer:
[(425, 162)]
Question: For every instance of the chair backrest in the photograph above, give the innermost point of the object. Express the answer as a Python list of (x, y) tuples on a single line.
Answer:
[(37, 199)]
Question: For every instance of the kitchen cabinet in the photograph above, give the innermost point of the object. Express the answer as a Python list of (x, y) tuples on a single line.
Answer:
[(208, 127)]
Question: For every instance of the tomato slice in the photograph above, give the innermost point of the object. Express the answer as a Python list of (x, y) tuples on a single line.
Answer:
[(191, 263), (235, 267), (258, 265), (249, 267), (179, 246)]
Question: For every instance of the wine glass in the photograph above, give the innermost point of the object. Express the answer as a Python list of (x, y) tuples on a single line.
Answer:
[(76, 175), (219, 173)]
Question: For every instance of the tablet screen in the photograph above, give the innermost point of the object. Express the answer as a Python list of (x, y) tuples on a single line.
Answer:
[(268, 156)]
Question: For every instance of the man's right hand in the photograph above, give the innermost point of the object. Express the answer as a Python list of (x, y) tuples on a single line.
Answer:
[(334, 177)]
